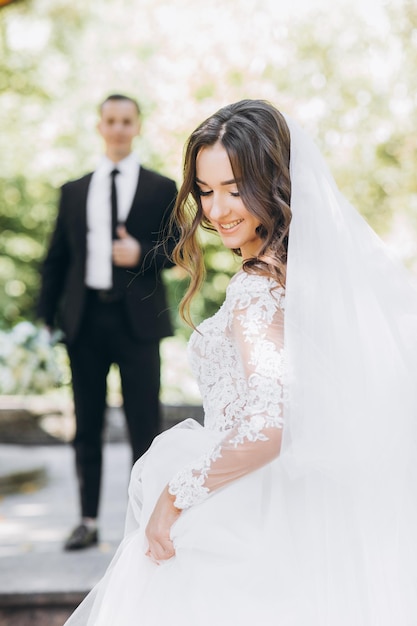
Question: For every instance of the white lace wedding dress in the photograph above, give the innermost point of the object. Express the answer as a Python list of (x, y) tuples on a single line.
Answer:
[(259, 544), (230, 540)]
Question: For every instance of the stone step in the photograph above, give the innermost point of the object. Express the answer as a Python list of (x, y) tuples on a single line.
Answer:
[(43, 609), (40, 584), (18, 425)]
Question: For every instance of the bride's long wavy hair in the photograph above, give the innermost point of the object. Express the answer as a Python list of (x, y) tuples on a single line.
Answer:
[(257, 140)]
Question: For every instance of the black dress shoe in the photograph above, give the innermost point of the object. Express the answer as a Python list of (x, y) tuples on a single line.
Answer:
[(81, 537)]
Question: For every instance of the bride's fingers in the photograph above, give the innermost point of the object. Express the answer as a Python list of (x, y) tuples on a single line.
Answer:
[(161, 551), (149, 554)]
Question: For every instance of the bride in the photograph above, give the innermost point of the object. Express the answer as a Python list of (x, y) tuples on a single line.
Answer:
[(296, 503)]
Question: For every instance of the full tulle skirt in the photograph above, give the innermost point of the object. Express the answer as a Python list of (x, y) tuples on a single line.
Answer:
[(257, 553)]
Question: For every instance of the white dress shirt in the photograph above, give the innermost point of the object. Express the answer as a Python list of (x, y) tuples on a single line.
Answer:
[(98, 273)]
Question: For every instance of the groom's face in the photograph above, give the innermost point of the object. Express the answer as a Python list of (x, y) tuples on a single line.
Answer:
[(119, 124)]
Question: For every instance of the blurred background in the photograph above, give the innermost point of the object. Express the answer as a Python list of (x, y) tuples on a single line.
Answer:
[(345, 69)]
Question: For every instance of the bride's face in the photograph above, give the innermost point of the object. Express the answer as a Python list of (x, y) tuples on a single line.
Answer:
[(222, 204)]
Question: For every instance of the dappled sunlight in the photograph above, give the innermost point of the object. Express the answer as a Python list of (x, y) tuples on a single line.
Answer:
[(350, 80), (30, 509), (24, 535)]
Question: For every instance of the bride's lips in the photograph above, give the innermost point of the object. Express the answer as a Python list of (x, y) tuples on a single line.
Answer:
[(231, 225)]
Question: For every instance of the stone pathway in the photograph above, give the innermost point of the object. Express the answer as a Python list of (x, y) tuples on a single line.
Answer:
[(40, 583), (35, 523)]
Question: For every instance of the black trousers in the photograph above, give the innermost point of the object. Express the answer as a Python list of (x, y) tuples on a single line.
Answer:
[(105, 338)]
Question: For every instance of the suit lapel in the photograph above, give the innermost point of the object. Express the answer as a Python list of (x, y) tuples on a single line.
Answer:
[(80, 208), (81, 196)]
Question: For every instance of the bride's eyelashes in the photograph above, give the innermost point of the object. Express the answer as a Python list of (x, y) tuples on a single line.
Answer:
[(234, 194), (203, 193)]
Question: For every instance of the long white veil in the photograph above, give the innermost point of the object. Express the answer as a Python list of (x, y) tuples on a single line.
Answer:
[(350, 440)]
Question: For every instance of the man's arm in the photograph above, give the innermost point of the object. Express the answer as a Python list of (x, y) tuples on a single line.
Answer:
[(54, 269)]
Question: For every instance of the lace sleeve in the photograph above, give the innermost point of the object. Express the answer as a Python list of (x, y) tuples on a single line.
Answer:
[(256, 330)]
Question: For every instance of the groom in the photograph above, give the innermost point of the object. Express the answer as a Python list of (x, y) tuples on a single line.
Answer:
[(102, 278)]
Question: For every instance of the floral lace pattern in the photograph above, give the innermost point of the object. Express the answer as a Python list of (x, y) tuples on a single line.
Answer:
[(238, 359)]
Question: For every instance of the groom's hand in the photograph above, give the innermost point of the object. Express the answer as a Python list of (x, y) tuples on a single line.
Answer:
[(126, 251), (158, 529)]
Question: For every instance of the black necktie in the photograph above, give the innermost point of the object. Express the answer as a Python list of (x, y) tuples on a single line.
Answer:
[(116, 271), (114, 218)]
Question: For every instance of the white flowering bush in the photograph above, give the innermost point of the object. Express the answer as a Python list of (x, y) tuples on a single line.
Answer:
[(31, 362)]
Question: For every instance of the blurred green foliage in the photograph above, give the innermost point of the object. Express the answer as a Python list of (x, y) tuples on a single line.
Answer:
[(26, 207), (220, 264), (350, 81)]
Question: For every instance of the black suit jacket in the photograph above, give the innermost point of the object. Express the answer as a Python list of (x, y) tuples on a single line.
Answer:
[(63, 275)]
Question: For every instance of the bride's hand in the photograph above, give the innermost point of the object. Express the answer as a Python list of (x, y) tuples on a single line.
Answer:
[(158, 529)]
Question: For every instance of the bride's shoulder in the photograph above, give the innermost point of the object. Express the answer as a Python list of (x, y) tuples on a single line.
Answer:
[(252, 286)]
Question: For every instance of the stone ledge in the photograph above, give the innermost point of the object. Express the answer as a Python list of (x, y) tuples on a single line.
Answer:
[(41, 609), (19, 425), (44, 588), (54, 598)]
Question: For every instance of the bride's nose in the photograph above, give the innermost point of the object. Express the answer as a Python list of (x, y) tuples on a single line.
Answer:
[(218, 209)]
